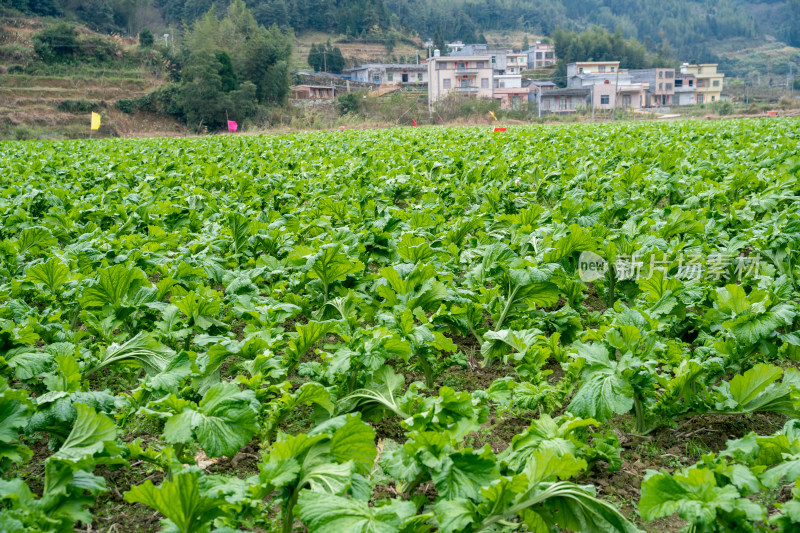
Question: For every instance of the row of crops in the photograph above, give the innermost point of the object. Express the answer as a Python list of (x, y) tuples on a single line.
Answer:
[(321, 303)]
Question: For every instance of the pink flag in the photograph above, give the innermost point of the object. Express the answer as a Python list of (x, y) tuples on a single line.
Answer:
[(232, 126)]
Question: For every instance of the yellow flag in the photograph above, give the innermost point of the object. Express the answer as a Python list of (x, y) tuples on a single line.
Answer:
[(492, 113), (95, 121)]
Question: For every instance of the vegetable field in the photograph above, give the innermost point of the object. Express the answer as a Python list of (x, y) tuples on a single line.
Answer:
[(586, 328)]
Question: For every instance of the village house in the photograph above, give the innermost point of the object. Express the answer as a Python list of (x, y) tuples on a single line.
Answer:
[(502, 61), (592, 67), (541, 55), (708, 84), (389, 74), (468, 76), (512, 97), (684, 89), (607, 95), (516, 62), (564, 100), (661, 85), (313, 92)]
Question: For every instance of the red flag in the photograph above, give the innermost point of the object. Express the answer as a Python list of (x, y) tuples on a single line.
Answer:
[(232, 126), (499, 129), (415, 122)]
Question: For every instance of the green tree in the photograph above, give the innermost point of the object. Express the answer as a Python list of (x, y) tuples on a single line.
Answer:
[(200, 96), (794, 23), (146, 38), (227, 75), (525, 43), (314, 57)]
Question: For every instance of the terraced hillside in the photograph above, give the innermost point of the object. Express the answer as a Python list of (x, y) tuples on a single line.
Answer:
[(54, 101)]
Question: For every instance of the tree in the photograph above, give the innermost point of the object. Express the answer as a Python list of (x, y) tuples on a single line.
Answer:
[(337, 65), (314, 58), (525, 43), (227, 75), (200, 96), (794, 23), (97, 14), (146, 38), (438, 41)]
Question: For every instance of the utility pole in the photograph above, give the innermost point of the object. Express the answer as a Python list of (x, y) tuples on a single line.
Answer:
[(616, 96), (791, 80)]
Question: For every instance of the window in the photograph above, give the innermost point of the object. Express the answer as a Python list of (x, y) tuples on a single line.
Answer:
[(446, 83), (612, 69), (691, 83), (700, 98), (419, 76), (481, 64), (678, 83), (604, 99), (538, 55), (548, 55), (660, 73), (660, 86), (390, 77), (601, 68), (494, 60), (461, 65), (562, 102), (484, 83), (716, 83), (670, 74), (669, 86), (580, 70)]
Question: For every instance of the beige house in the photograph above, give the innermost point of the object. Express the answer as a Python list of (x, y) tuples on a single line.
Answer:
[(468, 76), (541, 55), (516, 62), (708, 82), (592, 67), (607, 96)]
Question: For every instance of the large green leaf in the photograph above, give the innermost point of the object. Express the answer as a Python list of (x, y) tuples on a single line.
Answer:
[(53, 274), (225, 420), (113, 286), (91, 434), (603, 391), (179, 500), (326, 513)]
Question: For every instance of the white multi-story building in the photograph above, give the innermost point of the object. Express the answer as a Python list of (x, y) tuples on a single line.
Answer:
[(468, 76)]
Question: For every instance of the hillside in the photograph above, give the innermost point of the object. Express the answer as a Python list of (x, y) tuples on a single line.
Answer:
[(54, 101)]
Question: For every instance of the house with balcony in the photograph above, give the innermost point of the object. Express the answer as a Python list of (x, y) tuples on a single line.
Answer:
[(502, 61), (516, 62), (541, 55), (708, 82), (592, 67), (661, 85), (389, 74), (468, 76), (685, 85)]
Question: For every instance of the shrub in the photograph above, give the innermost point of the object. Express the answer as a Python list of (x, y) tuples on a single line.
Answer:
[(79, 106), (146, 38), (350, 103), (723, 107), (56, 44)]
